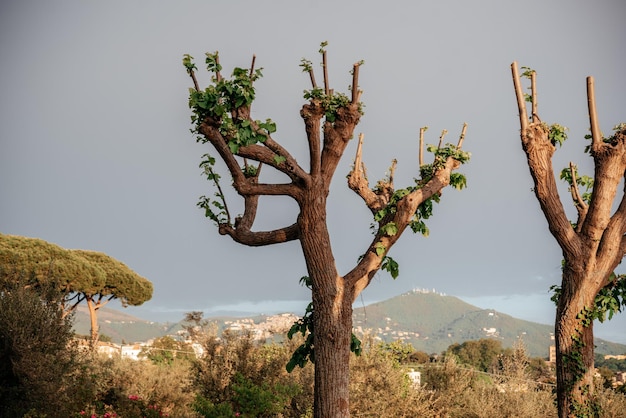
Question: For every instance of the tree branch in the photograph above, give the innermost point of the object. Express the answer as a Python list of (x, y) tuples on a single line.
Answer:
[(533, 101), (441, 137), (267, 154), (596, 135), (193, 78), (357, 181), (614, 230), (421, 145), (252, 67), (521, 105), (462, 136), (260, 238), (356, 95), (325, 66), (609, 159), (336, 138), (213, 135), (312, 114), (364, 271), (539, 151), (579, 203)]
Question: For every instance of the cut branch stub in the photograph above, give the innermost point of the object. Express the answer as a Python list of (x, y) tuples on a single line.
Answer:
[(356, 93), (596, 135), (521, 106)]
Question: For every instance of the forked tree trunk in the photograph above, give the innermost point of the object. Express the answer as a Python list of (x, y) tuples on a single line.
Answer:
[(332, 293), (592, 247)]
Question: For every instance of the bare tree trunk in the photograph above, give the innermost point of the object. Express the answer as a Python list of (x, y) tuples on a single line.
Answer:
[(575, 351), (332, 316), (333, 330)]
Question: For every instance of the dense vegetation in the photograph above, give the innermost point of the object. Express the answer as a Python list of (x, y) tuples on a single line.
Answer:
[(44, 374)]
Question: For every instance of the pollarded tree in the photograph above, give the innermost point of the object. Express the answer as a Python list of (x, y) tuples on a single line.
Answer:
[(221, 114), (80, 275), (592, 247)]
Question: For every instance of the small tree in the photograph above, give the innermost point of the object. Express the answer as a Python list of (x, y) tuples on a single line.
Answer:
[(79, 275), (593, 246), (120, 282), (221, 117)]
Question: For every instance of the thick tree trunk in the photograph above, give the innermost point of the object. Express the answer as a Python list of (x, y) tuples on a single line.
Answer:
[(333, 330), (575, 351), (332, 317)]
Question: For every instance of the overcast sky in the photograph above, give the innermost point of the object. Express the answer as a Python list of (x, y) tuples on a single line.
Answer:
[(96, 153)]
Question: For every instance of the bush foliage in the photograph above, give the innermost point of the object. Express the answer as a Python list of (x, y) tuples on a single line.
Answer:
[(44, 375)]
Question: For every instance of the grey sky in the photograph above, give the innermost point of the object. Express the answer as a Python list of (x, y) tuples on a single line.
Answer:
[(96, 151)]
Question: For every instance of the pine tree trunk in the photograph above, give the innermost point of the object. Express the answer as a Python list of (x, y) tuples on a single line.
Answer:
[(93, 317), (575, 354)]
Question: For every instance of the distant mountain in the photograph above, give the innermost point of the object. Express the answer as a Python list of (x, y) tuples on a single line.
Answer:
[(430, 321)]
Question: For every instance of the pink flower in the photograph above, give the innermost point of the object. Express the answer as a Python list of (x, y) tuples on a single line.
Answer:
[(133, 397)]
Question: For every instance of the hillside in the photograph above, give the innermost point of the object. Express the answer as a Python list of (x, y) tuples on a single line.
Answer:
[(431, 322)]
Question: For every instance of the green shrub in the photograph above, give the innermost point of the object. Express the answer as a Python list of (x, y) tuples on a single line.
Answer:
[(40, 370)]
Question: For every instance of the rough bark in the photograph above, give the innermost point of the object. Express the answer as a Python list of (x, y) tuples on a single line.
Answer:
[(592, 248), (332, 293), (575, 349)]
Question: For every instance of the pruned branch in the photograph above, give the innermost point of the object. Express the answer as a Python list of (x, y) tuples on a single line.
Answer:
[(421, 145), (356, 93), (369, 264), (579, 203), (578, 200), (462, 136), (325, 66), (195, 81), (533, 97), (539, 150), (218, 74), (610, 162), (521, 106), (596, 135), (337, 135), (441, 137), (357, 181), (252, 66)]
